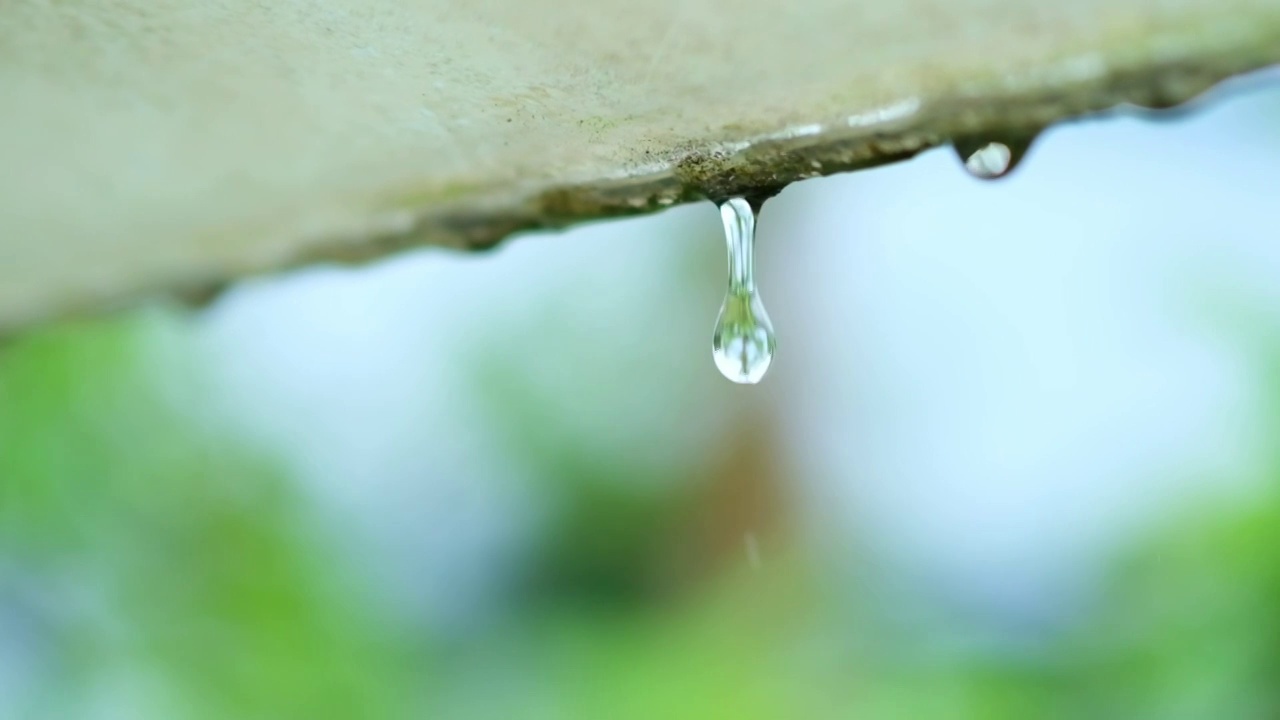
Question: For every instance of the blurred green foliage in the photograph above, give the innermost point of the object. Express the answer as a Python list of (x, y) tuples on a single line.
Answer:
[(171, 571), (180, 573)]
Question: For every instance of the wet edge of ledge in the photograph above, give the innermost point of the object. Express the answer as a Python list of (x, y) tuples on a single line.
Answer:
[(757, 166)]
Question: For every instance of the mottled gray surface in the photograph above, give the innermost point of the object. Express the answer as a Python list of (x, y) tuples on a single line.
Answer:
[(165, 145)]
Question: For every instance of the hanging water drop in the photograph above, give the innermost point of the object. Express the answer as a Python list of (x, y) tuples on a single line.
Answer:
[(993, 157), (743, 343)]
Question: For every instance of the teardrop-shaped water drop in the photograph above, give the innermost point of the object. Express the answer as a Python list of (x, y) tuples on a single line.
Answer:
[(992, 157), (743, 343)]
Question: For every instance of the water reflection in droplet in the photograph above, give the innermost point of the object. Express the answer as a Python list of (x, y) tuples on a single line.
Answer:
[(992, 157), (743, 343)]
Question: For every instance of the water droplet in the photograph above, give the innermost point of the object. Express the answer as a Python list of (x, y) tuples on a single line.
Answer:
[(743, 342), (992, 158)]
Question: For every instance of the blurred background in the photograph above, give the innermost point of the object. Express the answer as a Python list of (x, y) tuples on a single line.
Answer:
[(1016, 457)]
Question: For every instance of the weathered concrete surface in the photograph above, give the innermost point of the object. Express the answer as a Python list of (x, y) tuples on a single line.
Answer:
[(165, 145)]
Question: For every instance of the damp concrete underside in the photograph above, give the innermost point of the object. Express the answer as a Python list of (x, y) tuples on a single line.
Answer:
[(168, 148)]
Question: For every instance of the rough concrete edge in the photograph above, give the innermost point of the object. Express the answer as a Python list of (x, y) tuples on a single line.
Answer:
[(757, 166)]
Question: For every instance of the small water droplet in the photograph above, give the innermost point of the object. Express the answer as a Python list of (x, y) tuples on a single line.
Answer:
[(992, 157), (743, 343)]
